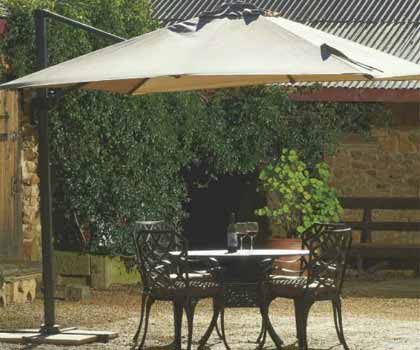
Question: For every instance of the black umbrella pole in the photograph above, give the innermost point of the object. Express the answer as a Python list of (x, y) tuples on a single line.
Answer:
[(48, 279), (48, 275), (46, 223)]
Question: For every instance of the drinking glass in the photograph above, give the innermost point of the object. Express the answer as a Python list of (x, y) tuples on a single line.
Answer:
[(252, 231), (241, 228)]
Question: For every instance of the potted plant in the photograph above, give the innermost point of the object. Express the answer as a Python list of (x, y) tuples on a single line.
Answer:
[(296, 198)]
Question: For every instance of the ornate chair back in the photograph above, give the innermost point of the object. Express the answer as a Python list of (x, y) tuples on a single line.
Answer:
[(328, 245), (160, 268)]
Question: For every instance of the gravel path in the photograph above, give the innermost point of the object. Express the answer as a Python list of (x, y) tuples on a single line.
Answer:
[(369, 322)]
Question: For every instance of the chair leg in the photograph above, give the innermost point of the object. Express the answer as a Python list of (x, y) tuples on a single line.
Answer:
[(263, 333), (213, 324), (219, 333), (149, 304), (178, 310), (262, 330), (189, 311), (302, 308), (269, 327), (222, 324), (143, 303), (338, 321)]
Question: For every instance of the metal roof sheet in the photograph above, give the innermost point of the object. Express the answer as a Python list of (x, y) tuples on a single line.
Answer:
[(392, 26)]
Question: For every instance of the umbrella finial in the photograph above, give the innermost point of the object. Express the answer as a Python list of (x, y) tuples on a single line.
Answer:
[(232, 10)]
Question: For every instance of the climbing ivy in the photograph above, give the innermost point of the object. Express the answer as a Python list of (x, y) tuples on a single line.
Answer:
[(118, 159)]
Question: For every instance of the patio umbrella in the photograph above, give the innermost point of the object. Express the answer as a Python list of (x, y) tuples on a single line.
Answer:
[(236, 45)]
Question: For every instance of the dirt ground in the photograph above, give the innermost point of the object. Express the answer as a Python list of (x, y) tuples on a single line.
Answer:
[(372, 320)]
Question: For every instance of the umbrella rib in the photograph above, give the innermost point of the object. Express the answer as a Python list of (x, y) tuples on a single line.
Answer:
[(138, 86), (291, 79)]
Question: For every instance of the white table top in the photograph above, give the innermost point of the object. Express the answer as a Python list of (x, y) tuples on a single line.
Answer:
[(247, 252)]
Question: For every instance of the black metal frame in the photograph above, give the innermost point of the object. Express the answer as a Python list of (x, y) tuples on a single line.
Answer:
[(49, 327), (169, 276), (320, 278)]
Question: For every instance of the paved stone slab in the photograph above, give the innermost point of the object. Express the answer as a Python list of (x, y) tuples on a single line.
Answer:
[(111, 335), (66, 339), (70, 337), (15, 338)]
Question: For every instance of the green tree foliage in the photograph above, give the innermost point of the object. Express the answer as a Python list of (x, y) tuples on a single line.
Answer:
[(118, 159)]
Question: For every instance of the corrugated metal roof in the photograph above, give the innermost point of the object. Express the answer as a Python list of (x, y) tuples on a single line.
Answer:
[(392, 26)]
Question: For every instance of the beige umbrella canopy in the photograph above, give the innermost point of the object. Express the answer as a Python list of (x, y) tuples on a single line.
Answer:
[(236, 45)]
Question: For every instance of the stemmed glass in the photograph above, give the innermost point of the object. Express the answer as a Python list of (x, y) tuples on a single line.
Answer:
[(241, 229), (252, 231)]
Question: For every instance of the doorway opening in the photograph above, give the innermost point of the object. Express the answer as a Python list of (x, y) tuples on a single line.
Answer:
[(211, 205)]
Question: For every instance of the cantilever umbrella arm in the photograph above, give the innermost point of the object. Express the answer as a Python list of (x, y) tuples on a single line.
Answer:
[(44, 102)]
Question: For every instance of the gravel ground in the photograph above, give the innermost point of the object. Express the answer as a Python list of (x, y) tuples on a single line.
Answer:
[(372, 323)]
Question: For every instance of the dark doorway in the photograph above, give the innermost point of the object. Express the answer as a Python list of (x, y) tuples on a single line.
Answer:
[(211, 205)]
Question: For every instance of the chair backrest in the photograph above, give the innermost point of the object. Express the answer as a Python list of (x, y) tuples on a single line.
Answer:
[(159, 267), (328, 246)]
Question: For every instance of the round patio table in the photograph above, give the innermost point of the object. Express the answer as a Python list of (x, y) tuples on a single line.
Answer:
[(241, 276)]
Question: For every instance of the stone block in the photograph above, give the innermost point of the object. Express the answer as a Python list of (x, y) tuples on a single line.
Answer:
[(379, 132), (405, 144), (120, 274), (19, 290), (360, 165), (72, 264), (101, 277), (3, 302), (31, 167), (35, 179), (30, 155), (27, 249), (74, 292), (72, 280), (27, 192)]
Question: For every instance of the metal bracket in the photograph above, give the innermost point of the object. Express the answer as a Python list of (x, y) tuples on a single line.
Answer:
[(12, 136), (14, 185), (5, 115)]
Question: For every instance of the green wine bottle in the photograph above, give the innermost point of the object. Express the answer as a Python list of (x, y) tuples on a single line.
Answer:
[(232, 238)]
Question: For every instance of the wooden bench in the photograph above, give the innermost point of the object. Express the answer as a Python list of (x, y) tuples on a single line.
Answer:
[(372, 255)]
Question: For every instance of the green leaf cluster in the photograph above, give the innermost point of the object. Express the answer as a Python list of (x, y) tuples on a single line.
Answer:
[(300, 198)]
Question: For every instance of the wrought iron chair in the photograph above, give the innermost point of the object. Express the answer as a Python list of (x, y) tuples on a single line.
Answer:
[(320, 278), (168, 275)]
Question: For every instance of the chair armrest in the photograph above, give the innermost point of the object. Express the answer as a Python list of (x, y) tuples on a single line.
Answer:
[(290, 261), (292, 271), (266, 267), (214, 268), (202, 266)]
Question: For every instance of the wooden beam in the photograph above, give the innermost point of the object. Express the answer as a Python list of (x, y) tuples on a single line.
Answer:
[(359, 95), (384, 226), (395, 203)]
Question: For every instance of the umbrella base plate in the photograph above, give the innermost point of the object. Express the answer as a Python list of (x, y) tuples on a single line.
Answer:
[(68, 336)]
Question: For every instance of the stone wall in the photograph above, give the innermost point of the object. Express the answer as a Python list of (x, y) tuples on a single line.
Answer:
[(30, 188), (386, 164)]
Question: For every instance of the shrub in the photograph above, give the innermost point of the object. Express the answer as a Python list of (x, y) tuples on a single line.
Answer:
[(300, 199)]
